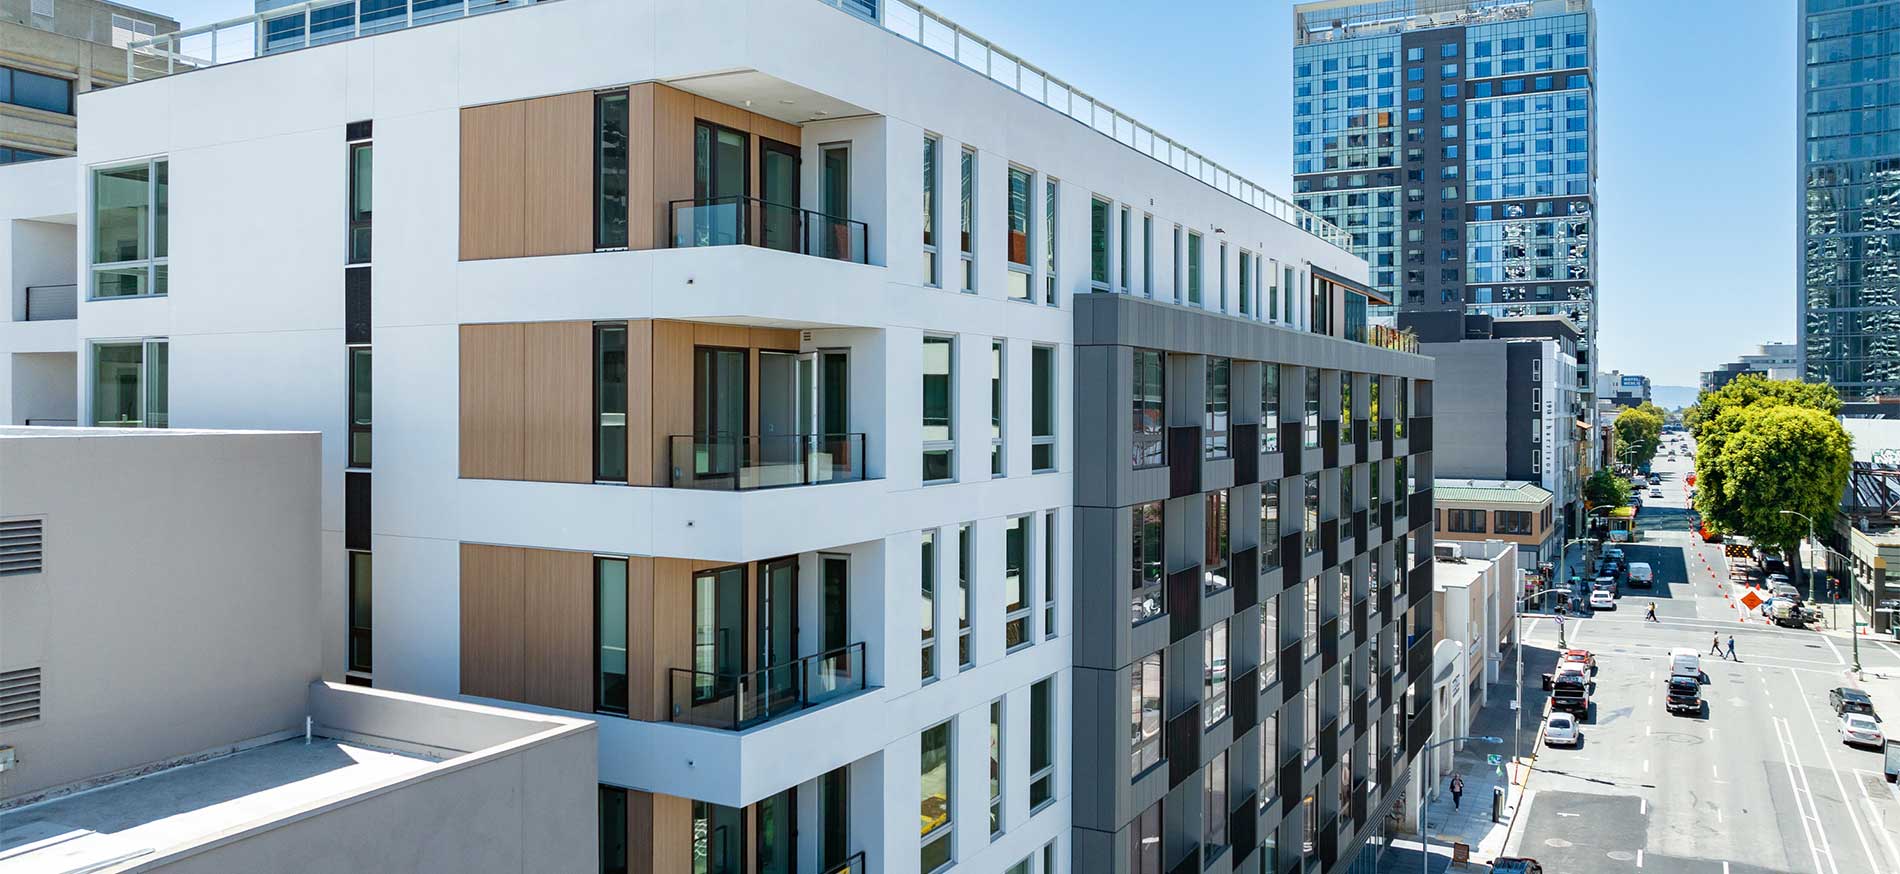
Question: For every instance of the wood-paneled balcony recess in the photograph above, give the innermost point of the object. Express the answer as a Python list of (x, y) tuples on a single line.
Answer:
[(655, 403), (651, 166)]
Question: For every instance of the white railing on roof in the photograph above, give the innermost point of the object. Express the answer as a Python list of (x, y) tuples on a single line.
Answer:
[(313, 23), (920, 25)]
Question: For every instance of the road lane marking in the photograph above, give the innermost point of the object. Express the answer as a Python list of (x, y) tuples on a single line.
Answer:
[(1714, 771), (1831, 648), (1645, 766), (1639, 858), (1643, 808), (1828, 755), (1874, 816), (1798, 782)]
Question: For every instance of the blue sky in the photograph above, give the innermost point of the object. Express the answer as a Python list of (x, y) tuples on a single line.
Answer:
[(1696, 140)]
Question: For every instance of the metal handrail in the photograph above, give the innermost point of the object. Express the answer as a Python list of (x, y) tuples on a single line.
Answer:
[(854, 864), (52, 302), (745, 220), (925, 27), (738, 700)]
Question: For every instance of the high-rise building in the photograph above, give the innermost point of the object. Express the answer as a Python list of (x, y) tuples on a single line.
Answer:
[(847, 417), (1849, 200), (1454, 140), (51, 51)]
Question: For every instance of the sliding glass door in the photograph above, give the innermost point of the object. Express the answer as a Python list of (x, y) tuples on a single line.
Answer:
[(778, 195), (720, 405), (719, 632), (129, 384), (778, 635)]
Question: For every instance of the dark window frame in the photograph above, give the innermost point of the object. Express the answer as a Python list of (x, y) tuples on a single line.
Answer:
[(362, 627), (360, 222), (360, 421), (11, 90), (604, 238), (601, 702)]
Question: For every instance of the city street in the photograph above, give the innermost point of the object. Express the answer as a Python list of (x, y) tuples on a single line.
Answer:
[(1760, 781)]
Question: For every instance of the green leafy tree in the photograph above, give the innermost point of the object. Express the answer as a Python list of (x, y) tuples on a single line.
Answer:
[(1639, 432), (1771, 457), (1752, 389), (1606, 489)]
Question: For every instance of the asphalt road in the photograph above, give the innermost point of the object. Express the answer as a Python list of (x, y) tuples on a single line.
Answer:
[(1759, 782)]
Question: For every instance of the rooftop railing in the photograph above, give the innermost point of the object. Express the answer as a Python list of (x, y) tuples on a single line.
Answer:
[(926, 28), (314, 23)]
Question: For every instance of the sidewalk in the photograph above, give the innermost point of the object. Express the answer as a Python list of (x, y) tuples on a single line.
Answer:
[(1470, 822)]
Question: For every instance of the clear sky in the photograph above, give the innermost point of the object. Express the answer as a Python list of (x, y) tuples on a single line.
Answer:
[(1696, 140)]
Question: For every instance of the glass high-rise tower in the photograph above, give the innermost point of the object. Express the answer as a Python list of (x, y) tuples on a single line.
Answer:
[(1850, 197), (1454, 140)]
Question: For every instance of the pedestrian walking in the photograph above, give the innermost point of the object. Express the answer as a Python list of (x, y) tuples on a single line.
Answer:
[(1457, 790), (1715, 644), (1652, 614), (1731, 648)]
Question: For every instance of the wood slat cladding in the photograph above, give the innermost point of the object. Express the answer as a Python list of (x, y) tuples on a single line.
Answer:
[(659, 833), (558, 375), (494, 181), (672, 635), (527, 172), (493, 638), (560, 174), (493, 401), (640, 440), (558, 638)]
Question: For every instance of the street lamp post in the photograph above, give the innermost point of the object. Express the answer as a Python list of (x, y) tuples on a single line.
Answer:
[(1424, 774), (1853, 621)]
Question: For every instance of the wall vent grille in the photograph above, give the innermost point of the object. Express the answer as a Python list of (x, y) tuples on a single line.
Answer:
[(19, 697), (21, 543)]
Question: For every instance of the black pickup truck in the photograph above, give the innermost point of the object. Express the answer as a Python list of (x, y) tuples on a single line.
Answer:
[(1570, 692), (1685, 695)]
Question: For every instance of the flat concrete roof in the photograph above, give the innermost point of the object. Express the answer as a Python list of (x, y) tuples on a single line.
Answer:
[(45, 432), (147, 815), (1457, 574)]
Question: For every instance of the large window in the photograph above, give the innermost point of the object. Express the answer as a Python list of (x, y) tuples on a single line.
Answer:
[(1042, 409), (362, 600), (359, 406), (996, 768), (996, 407), (129, 237), (1269, 525), (1148, 255), (1098, 243), (928, 595), (613, 830), (610, 402), (966, 552), (1246, 283), (1127, 246), (1269, 641), (1311, 722), (1015, 582), (1218, 544), (1145, 712), (1049, 555), (934, 797), (1309, 526), (1214, 797), (1465, 521), (1269, 408), (1269, 763), (1042, 744), (1194, 269), (1021, 199), (1147, 572), (939, 435), (1219, 412), (128, 384), (613, 159), (1404, 407), (610, 634), (1513, 522), (362, 160), (1148, 395), (1214, 665), (1050, 202), (966, 218), (1144, 841), (1311, 398), (1345, 406), (1372, 404), (36, 91), (931, 146), (1309, 609)]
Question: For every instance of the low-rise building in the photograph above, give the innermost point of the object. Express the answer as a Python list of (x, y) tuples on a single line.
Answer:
[(161, 698), (1518, 512), (1473, 596)]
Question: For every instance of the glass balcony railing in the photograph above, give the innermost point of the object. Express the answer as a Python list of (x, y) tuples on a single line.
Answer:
[(739, 462), (742, 221), (741, 700), (50, 302)]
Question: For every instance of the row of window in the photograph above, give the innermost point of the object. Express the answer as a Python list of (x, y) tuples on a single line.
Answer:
[(937, 777), (1475, 521), (36, 91), (940, 365), (1024, 583), (1148, 407)]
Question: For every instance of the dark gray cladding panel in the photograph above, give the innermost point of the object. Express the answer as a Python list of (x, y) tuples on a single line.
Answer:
[(1121, 320)]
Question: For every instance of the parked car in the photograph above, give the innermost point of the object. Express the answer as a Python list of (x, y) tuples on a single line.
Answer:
[(1684, 662), (1859, 729), (1601, 599), (1847, 699), (1655, 492), (1515, 865), (1613, 552), (1561, 730), (1570, 692), (1642, 575), (1607, 584), (1582, 658)]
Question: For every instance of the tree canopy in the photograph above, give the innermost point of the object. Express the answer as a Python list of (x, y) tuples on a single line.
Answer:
[(1606, 489), (1639, 432), (1764, 446)]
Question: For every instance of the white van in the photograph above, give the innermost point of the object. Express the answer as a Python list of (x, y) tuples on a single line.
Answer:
[(1685, 663), (1642, 575)]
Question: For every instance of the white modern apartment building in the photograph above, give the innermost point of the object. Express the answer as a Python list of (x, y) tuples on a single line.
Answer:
[(718, 385)]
